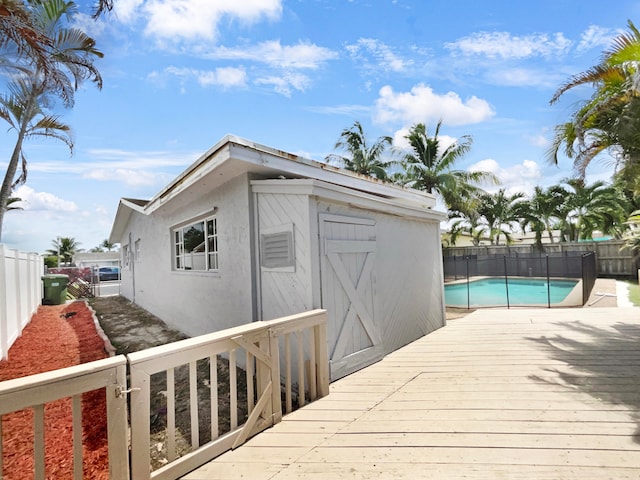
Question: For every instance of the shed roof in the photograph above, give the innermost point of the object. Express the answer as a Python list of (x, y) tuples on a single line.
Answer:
[(233, 156)]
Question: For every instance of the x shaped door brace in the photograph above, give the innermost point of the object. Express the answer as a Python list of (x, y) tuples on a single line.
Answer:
[(356, 308)]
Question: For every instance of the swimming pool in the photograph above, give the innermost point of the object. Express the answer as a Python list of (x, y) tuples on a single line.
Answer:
[(522, 291)]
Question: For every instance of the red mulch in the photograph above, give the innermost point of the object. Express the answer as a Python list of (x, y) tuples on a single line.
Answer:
[(50, 342)]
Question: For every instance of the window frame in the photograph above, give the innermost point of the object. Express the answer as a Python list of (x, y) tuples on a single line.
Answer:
[(125, 255), (210, 245)]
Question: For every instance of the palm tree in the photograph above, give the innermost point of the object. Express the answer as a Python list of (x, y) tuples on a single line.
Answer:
[(11, 204), (363, 158), (18, 33), (542, 212), (610, 119), (65, 248), (632, 236), (429, 168), (500, 211), (470, 225), (31, 95), (589, 208), (107, 244)]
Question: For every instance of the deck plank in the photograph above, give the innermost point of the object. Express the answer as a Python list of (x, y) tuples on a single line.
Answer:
[(511, 394)]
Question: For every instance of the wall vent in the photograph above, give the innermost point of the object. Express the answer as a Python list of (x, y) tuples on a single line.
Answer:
[(276, 250)]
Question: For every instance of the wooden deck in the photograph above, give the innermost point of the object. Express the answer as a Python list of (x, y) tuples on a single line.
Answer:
[(508, 394)]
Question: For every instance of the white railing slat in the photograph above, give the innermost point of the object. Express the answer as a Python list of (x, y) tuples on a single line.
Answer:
[(171, 415), (76, 415), (312, 369), (38, 442), (287, 378), (233, 390), (249, 377), (193, 405), (213, 378), (300, 342)]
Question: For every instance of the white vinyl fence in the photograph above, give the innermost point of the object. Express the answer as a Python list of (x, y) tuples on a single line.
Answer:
[(20, 293)]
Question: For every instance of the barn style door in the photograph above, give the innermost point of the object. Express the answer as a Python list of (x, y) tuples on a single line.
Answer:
[(348, 248)]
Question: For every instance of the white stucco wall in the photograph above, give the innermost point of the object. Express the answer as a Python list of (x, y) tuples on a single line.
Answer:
[(195, 302)]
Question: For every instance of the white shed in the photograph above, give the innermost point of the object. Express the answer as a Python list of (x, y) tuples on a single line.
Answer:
[(251, 233)]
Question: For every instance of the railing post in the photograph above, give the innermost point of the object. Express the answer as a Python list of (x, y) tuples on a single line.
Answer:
[(118, 426), (322, 357), (271, 373), (140, 424), (276, 402)]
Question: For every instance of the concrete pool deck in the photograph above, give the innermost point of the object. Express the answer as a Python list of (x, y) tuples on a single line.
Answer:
[(608, 292)]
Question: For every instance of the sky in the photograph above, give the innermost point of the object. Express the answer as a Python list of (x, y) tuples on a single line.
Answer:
[(292, 74)]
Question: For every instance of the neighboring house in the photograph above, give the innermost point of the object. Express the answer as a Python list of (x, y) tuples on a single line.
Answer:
[(96, 259), (251, 233), (463, 239)]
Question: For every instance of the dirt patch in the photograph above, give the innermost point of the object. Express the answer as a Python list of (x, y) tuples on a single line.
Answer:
[(131, 328)]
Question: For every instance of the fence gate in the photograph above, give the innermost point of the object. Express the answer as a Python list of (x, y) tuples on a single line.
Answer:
[(348, 247)]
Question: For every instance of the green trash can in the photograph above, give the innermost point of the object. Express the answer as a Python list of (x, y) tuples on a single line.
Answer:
[(55, 289)]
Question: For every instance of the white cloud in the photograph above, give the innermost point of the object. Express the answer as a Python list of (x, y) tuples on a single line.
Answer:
[(196, 19), (505, 46), (134, 178), (226, 77), (596, 37), (524, 77), (349, 110), (303, 55), (538, 140), (111, 159), (88, 25), (285, 83), (522, 177), (422, 104), (126, 10), (39, 201), (382, 54)]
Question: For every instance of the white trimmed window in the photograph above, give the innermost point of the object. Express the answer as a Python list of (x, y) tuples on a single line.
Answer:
[(195, 245), (125, 256)]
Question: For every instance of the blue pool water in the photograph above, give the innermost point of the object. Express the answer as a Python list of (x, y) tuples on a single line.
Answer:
[(522, 291)]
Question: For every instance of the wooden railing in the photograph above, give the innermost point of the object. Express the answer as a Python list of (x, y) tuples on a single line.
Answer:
[(186, 376), (36, 391), (181, 422)]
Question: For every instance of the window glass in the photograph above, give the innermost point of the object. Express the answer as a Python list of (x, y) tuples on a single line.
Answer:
[(193, 249)]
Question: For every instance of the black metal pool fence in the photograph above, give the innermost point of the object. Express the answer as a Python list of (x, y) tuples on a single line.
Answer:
[(578, 265)]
